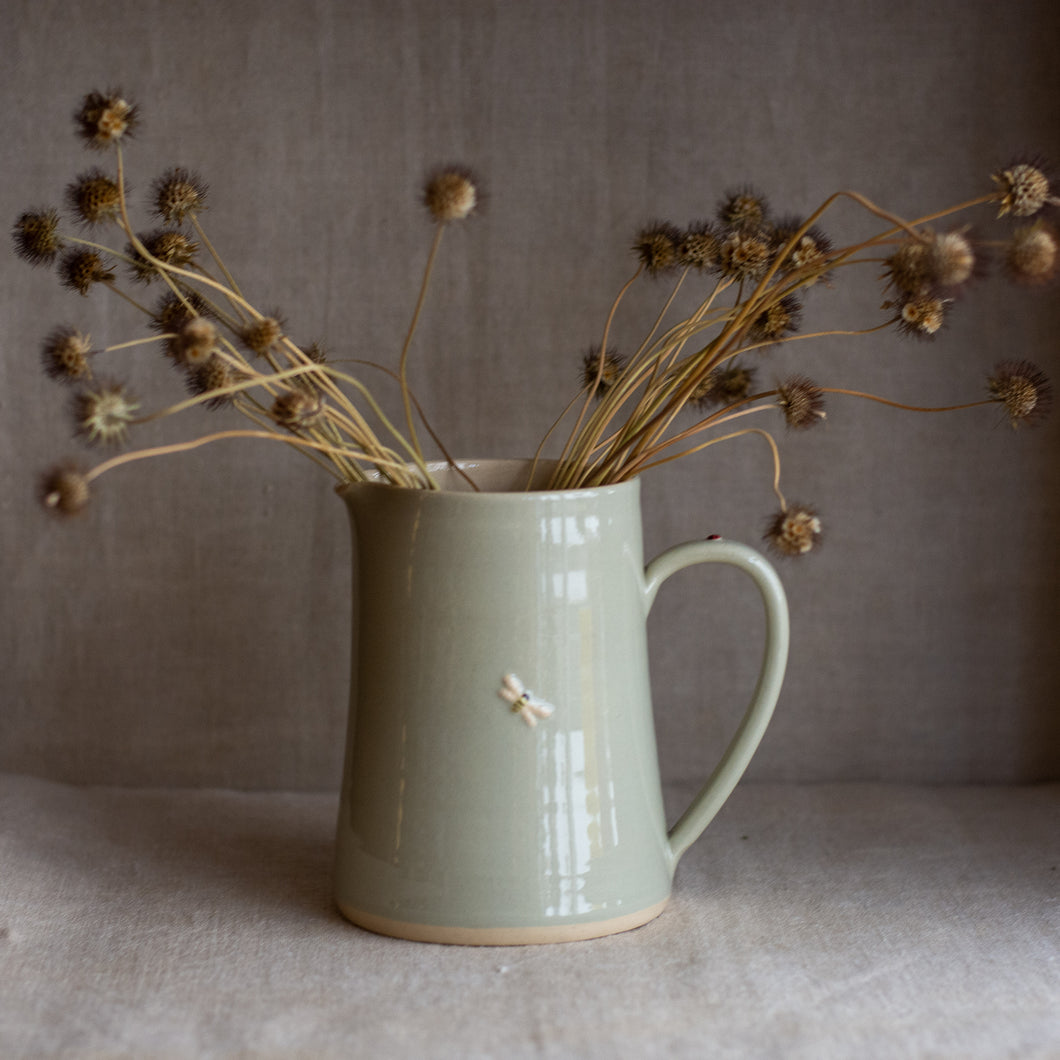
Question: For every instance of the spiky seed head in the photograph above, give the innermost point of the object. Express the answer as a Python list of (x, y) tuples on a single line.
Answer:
[(1023, 189), (953, 259), (703, 396), (744, 255), (261, 335), (698, 247), (744, 208), (724, 386), (810, 252), (657, 247), (94, 198), (315, 352), (206, 378), (64, 490), (168, 246), (910, 268), (298, 410), (178, 193), (1022, 389), (451, 193), (195, 343), (36, 236), (936, 261), (174, 248), (601, 371), (921, 316), (105, 118), (734, 383), (81, 268), (103, 415), (801, 401), (1033, 254), (793, 531), (65, 354), (172, 313), (777, 320)]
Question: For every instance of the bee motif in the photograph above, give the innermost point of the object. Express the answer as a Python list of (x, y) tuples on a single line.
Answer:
[(523, 701)]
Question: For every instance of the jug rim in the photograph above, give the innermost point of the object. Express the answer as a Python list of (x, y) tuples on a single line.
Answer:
[(494, 477)]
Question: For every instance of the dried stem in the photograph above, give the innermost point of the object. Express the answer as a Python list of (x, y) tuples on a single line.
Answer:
[(406, 396)]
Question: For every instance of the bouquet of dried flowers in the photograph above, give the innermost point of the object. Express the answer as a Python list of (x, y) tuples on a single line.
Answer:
[(689, 383)]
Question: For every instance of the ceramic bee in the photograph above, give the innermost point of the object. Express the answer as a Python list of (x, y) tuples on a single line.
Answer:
[(523, 701)]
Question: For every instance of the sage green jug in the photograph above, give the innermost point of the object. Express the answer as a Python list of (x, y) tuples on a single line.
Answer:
[(501, 783)]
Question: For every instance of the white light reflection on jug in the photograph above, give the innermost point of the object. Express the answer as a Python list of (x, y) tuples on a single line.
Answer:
[(575, 776), (570, 530), (571, 584), (568, 824)]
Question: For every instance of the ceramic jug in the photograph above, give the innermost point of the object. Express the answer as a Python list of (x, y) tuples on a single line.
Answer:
[(501, 783)]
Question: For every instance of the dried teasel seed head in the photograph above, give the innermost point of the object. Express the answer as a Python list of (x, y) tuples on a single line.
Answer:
[(1023, 189), (174, 248), (36, 236), (168, 246), (1032, 256), (910, 268), (315, 352), (81, 268), (103, 414), (451, 193), (94, 197), (744, 208), (298, 410), (724, 386), (195, 342), (105, 118), (777, 320), (703, 396), (64, 490), (178, 193), (953, 259), (657, 246), (214, 375), (172, 312), (811, 250), (262, 334), (698, 246), (921, 316), (744, 255), (65, 354), (801, 401), (601, 371), (793, 531), (1022, 389)]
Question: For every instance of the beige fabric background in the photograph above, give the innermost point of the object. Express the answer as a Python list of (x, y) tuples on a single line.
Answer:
[(192, 628)]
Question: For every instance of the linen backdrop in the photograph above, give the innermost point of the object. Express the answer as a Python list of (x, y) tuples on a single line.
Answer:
[(192, 626)]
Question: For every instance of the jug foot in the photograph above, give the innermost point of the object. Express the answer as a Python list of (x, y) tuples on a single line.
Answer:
[(501, 936)]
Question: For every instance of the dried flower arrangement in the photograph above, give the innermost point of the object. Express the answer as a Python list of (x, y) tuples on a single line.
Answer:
[(665, 400)]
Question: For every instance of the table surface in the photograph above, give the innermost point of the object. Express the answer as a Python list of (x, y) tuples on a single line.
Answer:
[(810, 921)]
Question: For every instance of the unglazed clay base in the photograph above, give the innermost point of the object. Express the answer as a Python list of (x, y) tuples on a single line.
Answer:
[(520, 936)]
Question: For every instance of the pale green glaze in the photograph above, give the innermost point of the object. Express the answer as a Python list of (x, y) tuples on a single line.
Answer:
[(460, 822)]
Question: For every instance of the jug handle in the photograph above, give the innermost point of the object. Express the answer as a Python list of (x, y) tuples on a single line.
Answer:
[(710, 798)]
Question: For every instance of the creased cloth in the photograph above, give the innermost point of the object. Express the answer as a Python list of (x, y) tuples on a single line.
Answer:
[(810, 921)]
